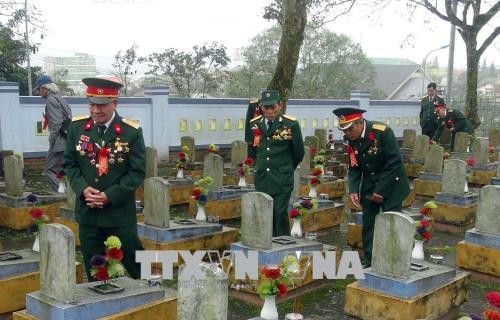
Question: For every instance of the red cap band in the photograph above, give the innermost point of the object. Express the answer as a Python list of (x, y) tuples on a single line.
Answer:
[(102, 92), (345, 119)]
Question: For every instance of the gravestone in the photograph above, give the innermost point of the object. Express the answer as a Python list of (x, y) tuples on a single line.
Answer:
[(434, 160), (206, 298), (321, 135), (454, 177), (494, 137), (480, 149), (312, 142), (445, 138), (3, 155), (296, 186), (238, 152), (57, 262), (488, 210), (156, 202), (151, 162), (393, 244), (213, 167), (305, 164), (421, 148), (188, 141), (71, 197), (462, 142), (13, 170), (257, 220), (409, 138)]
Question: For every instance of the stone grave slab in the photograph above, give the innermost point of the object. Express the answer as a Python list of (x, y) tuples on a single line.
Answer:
[(181, 229)]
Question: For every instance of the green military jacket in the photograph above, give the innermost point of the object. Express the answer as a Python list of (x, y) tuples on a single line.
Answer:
[(455, 121), (125, 157), (428, 118), (277, 152), (378, 166)]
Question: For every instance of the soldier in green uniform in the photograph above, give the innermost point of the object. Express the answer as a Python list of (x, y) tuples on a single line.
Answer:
[(277, 148), (376, 177), (105, 162), (428, 118), (454, 120), (253, 111)]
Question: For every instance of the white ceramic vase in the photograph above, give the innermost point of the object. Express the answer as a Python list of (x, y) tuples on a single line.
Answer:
[(296, 231), (62, 187), (180, 173), (242, 182), (313, 193), (418, 250), (36, 244), (269, 310), (201, 215)]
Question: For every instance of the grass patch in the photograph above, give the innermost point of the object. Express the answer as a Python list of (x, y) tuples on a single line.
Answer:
[(484, 285)]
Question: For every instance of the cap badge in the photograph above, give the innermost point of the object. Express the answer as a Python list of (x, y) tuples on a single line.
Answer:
[(341, 119), (100, 91), (268, 95)]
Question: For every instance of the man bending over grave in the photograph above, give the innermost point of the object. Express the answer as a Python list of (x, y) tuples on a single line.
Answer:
[(277, 148), (105, 162), (376, 177)]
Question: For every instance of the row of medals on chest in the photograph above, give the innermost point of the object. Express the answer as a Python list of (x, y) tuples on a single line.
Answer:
[(372, 150), (117, 149)]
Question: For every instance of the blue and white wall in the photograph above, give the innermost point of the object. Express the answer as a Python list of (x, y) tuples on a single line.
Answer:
[(166, 119)]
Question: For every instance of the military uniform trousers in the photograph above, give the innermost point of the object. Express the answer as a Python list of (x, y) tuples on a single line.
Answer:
[(281, 225)]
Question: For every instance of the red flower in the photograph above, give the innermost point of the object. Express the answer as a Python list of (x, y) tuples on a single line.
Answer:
[(88, 125), (282, 289), (294, 213), (371, 136), (425, 223), (182, 155), (195, 194), (425, 211), (272, 272), (314, 181), (241, 172), (115, 253), (249, 161), (101, 273), (493, 298), (491, 314), (348, 149), (470, 162), (117, 128), (426, 235), (317, 172), (36, 213), (60, 175)]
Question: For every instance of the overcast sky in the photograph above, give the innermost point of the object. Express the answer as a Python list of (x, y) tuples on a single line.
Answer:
[(101, 28)]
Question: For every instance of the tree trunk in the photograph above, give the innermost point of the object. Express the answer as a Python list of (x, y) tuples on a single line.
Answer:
[(292, 36), (472, 74)]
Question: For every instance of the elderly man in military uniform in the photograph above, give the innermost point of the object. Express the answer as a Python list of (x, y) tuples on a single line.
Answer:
[(454, 120), (428, 118), (277, 147), (376, 177), (105, 162)]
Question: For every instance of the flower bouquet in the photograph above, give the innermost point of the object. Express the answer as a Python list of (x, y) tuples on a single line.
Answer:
[(299, 210), (181, 162), (245, 169), (468, 177), (426, 210), (39, 219), (492, 312), (200, 193), (422, 234), (331, 142), (275, 281), (104, 268), (212, 148)]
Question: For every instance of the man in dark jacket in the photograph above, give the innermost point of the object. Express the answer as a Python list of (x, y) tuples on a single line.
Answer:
[(454, 120), (376, 177), (105, 162), (428, 118)]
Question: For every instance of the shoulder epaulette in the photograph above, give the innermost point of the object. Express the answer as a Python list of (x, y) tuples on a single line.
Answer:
[(256, 118), (425, 96), (254, 100), (130, 123), (80, 117), (380, 127), (450, 110), (289, 117)]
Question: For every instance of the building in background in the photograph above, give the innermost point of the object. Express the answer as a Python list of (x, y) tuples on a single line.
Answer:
[(71, 70)]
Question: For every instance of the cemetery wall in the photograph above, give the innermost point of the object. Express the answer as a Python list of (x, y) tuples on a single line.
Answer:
[(164, 119)]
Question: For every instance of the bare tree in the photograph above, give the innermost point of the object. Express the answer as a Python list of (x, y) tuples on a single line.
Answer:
[(469, 22), (124, 63)]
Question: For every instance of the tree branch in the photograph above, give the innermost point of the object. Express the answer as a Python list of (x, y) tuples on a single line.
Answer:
[(483, 19), (488, 41)]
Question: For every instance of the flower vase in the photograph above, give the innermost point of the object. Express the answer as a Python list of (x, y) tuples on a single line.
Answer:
[(466, 187), (242, 182), (269, 310), (62, 187), (201, 215), (180, 174), (418, 250), (36, 244), (313, 193), (296, 231)]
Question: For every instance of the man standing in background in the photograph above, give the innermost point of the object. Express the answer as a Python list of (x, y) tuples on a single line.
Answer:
[(428, 118)]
